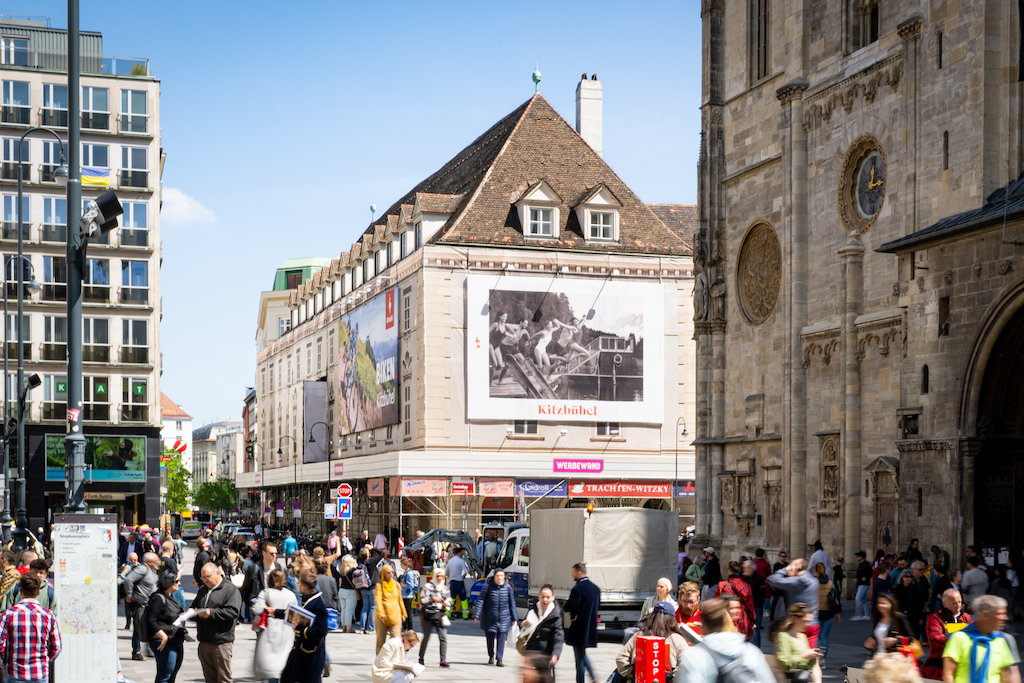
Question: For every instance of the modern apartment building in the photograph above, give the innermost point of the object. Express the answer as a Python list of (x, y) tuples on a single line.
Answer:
[(120, 124), (516, 330)]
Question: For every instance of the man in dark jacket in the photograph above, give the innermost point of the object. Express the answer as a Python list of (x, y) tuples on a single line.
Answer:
[(776, 595), (753, 579), (306, 661), (256, 573), (582, 606), (862, 611), (138, 587), (218, 606), (712, 571), (202, 558)]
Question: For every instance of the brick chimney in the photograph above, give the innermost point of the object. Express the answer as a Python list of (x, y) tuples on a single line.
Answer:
[(589, 105)]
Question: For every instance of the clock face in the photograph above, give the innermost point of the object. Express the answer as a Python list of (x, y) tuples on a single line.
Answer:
[(870, 188)]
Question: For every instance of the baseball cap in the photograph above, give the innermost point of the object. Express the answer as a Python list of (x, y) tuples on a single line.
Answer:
[(665, 607), (709, 549)]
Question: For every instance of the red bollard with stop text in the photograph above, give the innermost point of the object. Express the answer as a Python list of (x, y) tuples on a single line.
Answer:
[(651, 659)]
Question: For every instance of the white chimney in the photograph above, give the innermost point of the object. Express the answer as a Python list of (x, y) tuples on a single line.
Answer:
[(589, 103)]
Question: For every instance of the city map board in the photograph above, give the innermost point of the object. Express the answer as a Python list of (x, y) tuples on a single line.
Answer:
[(85, 588)]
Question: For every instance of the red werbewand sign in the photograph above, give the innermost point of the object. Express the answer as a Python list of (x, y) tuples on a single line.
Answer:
[(609, 488)]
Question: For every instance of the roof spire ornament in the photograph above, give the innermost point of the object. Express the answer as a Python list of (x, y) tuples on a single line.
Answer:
[(373, 211), (536, 79)]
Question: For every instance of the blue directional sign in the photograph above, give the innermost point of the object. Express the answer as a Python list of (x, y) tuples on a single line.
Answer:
[(344, 508)]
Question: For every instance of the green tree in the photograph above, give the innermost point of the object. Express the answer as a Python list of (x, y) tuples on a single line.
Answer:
[(179, 480), (216, 495)]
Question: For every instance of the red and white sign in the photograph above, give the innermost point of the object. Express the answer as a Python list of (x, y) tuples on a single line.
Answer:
[(497, 488), (339, 469), (578, 466), (375, 487), (259, 479), (344, 490), (607, 488), (389, 309), (73, 414), (463, 486), (651, 659)]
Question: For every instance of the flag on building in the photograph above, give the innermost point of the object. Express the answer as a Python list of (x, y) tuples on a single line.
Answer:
[(95, 177)]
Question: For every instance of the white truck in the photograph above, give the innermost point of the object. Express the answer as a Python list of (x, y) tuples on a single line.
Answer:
[(626, 550)]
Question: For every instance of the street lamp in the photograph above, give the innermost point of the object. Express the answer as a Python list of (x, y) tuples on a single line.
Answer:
[(330, 447), (33, 286), (675, 482), (61, 176), (295, 469)]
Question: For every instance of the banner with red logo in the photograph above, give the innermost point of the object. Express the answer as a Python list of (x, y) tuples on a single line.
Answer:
[(610, 488)]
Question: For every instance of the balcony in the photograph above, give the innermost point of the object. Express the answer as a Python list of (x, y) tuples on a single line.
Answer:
[(96, 294), (134, 354), (134, 179), (133, 237), (95, 120), (57, 60), (12, 288), (9, 171), (94, 353), (46, 173), (15, 113), (54, 352), (55, 411), (55, 291), (134, 123), (54, 118), (134, 413), (12, 348), (135, 295), (96, 412), (10, 230), (55, 233)]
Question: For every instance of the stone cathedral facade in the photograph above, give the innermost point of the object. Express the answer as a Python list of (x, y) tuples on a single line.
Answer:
[(859, 289)]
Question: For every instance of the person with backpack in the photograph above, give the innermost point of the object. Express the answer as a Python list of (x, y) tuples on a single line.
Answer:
[(722, 656), (361, 580), (735, 585), (410, 582), (660, 623), (166, 640), (139, 585), (829, 608)]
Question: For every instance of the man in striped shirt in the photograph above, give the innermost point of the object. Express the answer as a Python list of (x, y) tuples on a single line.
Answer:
[(29, 636)]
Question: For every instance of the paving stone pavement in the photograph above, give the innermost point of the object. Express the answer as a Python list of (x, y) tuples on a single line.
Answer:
[(352, 654)]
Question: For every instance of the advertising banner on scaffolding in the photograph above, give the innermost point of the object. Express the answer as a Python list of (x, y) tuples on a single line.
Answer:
[(564, 349), (368, 366)]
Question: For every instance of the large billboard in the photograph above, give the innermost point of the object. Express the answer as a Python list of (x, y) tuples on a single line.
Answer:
[(110, 458), (368, 366), (564, 350)]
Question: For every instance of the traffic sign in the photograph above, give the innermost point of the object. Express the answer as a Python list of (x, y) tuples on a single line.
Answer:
[(344, 508), (330, 511), (344, 490)]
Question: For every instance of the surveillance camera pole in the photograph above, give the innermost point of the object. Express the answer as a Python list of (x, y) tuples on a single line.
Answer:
[(74, 442)]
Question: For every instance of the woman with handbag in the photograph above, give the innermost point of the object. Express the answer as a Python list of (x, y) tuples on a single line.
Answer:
[(792, 649), (891, 631), (542, 630), (166, 640), (348, 596), (496, 612), (435, 598), (274, 637), (829, 608)]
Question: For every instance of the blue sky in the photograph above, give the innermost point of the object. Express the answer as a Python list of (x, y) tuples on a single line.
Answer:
[(283, 122)]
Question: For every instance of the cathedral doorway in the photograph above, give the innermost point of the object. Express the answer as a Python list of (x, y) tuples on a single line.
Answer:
[(999, 465)]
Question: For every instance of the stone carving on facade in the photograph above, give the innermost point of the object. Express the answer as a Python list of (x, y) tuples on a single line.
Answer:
[(822, 105), (792, 90), (828, 448), (728, 491), (920, 445), (885, 489), (947, 277), (911, 28), (759, 275), (821, 342), (896, 289), (701, 294), (709, 5), (1005, 266), (718, 299), (886, 332)]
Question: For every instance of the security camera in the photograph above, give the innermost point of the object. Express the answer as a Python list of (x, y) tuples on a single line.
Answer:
[(101, 215)]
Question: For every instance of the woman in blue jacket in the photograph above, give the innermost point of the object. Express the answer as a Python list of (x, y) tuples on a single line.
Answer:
[(496, 612)]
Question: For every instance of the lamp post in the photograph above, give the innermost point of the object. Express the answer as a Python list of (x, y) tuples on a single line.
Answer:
[(675, 481), (327, 430), (61, 175), (33, 286), (295, 470)]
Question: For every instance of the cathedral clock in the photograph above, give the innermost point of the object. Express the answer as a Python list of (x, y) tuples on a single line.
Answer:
[(862, 183)]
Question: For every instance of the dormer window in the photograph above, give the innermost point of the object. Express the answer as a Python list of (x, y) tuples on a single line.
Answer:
[(598, 215), (390, 254), (541, 222), (366, 270), (418, 230), (376, 263), (602, 225), (401, 246)]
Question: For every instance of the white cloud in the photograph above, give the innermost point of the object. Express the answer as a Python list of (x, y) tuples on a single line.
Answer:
[(181, 209)]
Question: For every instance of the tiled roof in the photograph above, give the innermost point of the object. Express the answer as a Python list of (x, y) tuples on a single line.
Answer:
[(170, 409), (1006, 203), (478, 187), (682, 219), (406, 216)]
